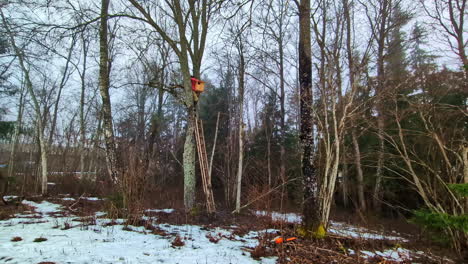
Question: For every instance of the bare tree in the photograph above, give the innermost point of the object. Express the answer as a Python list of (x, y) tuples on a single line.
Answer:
[(276, 28), (63, 81), (379, 16), (191, 20), (104, 85), (240, 47), (16, 133), (37, 108), (450, 16)]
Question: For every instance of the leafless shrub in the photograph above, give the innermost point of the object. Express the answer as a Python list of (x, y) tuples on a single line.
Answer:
[(177, 242)]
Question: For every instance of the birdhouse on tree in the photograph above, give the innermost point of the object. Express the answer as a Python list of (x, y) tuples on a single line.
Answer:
[(198, 86)]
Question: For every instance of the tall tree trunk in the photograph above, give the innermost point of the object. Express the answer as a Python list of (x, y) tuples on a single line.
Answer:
[(282, 171), (241, 126), (465, 170), (382, 33), (82, 105), (189, 156), (104, 83), (214, 146), (268, 140), (189, 161), (311, 220), (19, 121), (63, 81), (359, 174), (36, 105), (344, 175), (154, 140)]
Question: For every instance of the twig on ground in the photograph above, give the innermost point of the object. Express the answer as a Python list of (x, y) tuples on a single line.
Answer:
[(75, 203)]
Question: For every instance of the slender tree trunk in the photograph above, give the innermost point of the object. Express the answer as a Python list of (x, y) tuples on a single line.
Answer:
[(214, 147), (63, 81), (241, 127), (104, 83), (465, 170), (36, 105), (44, 172), (82, 106), (282, 171), (311, 220), (345, 187), (19, 121), (359, 173), (382, 33), (268, 139)]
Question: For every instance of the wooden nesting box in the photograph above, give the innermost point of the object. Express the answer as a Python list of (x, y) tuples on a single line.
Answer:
[(197, 85)]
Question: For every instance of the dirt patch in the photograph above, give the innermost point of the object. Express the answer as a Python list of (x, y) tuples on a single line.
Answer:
[(81, 207), (240, 223), (9, 211)]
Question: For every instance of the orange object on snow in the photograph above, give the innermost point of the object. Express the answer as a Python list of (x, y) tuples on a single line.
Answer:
[(279, 240)]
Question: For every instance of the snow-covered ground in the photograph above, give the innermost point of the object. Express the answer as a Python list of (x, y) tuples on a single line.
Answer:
[(98, 243), (341, 229), (336, 228)]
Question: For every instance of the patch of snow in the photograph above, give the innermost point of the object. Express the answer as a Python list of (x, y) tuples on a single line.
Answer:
[(399, 254), (44, 207), (92, 198), (10, 197), (99, 214), (51, 183), (68, 199), (97, 243), (336, 228), (167, 211), (290, 217), (343, 229)]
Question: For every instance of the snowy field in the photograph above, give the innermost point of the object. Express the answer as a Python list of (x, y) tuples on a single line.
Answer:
[(99, 243), (51, 234)]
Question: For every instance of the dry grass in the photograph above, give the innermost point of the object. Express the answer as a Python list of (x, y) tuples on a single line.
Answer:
[(40, 239), (177, 242), (16, 239)]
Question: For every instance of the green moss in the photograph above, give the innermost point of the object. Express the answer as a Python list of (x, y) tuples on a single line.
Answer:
[(319, 232), (195, 211)]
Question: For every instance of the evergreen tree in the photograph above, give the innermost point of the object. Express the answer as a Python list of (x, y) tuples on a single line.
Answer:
[(3, 66), (396, 62), (420, 60)]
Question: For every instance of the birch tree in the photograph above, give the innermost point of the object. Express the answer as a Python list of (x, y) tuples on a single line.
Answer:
[(104, 85), (37, 108), (238, 35)]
